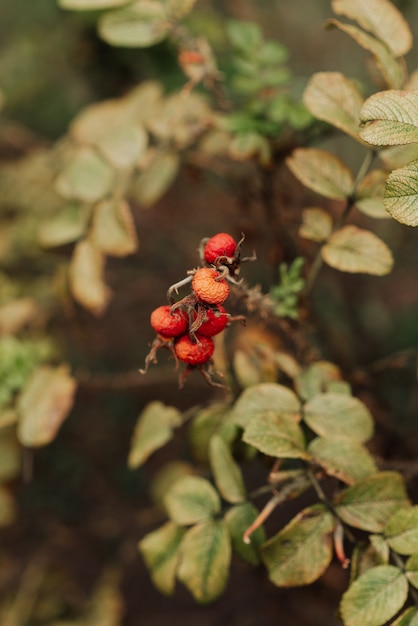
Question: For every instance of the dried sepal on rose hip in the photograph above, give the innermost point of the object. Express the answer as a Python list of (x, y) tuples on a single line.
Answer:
[(209, 286), (168, 323)]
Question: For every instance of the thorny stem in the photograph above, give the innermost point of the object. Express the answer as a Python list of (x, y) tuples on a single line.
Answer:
[(318, 261)]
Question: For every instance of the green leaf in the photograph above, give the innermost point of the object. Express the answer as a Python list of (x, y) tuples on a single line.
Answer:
[(86, 277), (375, 597), (160, 551), (411, 567), (139, 25), (321, 172), (113, 228), (390, 118), (226, 472), (205, 560), (44, 404), (391, 68), (401, 194), (401, 531), (338, 416), (317, 378), (347, 460), (408, 618), (372, 501), (157, 178), (191, 499), (87, 177), (265, 397), (210, 420), (153, 430), (316, 224), (238, 519), (333, 98), (355, 250), (301, 552), (276, 435), (380, 18), (91, 5), (370, 193), (244, 35)]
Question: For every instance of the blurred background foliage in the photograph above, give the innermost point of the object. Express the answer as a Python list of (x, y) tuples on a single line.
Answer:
[(80, 509)]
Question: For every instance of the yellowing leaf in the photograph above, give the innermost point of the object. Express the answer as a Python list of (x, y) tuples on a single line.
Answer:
[(86, 274), (301, 552), (391, 68), (15, 314), (347, 460), (87, 177), (401, 194), (44, 404), (180, 8), (113, 229), (153, 430), (204, 561), (352, 249), (401, 531), (276, 435), (322, 172), (372, 501), (69, 225), (157, 178), (160, 551), (338, 416), (191, 499), (124, 145), (390, 118), (381, 18), (264, 397), (140, 24), (316, 224), (335, 99), (375, 597), (90, 5), (369, 194), (210, 420)]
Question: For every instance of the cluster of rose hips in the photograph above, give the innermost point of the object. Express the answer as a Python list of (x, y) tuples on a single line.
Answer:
[(186, 327)]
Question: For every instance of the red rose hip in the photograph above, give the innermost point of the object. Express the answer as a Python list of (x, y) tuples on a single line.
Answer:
[(221, 244), (194, 353), (168, 324), (209, 287)]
